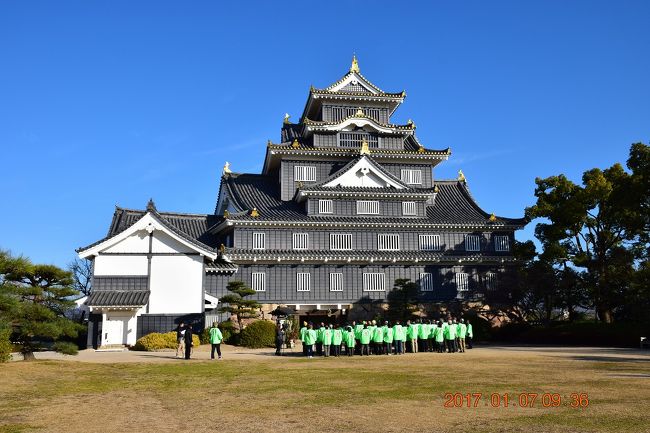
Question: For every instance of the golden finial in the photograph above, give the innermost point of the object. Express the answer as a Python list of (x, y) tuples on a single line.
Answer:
[(492, 218), (222, 248), (269, 143), (355, 64), (311, 88), (226, 169), (300, 184), (226, 214), (409, 122), (255, 213), (295, 143), (365, 150), (286, 118), (403, 93), (420, 149), (436, 189), (359, 112), (461, 176)]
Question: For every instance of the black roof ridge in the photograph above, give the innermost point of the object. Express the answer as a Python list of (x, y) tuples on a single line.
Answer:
[(160, 212)]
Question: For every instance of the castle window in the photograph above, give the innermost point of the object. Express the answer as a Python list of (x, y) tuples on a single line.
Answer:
[(426, 282), (304, 173), (340, 241), (501, 243), (368, 207), (374, 282), (258, 281), (462, 282), (388, 242), (472, 243), (336, 282), (412, 177), (490, 281), (259, 241), (300, 241), (325, 206), (430, 242), (354, 139), (303, 281), (409, 208)]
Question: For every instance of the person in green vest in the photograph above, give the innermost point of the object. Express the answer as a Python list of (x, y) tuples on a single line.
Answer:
[(302, 333), (310, 340), (399, 336), (388, 338), (423, 335), (431, 343), (215, 340), (457, 325), (366, 335), (450, 336), (327, 340), (358, 327), (337, 339), (439, 337), (462, 333), (377, 339), (470, 335), (350, 341), (319, 339), (412, 335)]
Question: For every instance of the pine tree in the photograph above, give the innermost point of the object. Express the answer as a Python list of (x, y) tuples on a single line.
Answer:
[(238, 306)]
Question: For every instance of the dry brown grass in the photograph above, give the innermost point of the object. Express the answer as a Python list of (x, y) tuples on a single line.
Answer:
[(387, 394)]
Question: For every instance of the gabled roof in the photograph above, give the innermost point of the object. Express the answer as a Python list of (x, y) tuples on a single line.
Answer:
[(354, 165), (358, 119), (118, 298)]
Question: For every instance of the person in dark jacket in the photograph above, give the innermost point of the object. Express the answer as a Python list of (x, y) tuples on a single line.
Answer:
[(279, 340), (188, 341)]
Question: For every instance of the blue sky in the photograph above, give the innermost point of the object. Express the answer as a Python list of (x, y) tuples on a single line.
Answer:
[(105, 103)]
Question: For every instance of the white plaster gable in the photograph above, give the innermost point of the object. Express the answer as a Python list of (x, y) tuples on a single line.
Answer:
[(356, 78), (364, 174), (361, 122)]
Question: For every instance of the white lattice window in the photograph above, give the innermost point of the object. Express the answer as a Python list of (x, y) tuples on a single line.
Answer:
[(340, 241), (300, 241), (426, 282), (325, 206), (490, 281), (412, 177), (472, 243), (336, 282), (462, 282), (258, 281), (388, 242), (303, 280), (374, 282), (430, 242), (304, 173), (501, 243), (409, 208), (259, 241), (368, 207)]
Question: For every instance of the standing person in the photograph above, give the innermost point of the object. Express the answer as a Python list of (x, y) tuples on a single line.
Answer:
[(310, 340), (431, 343), (462, 332), (470, 335), (180, 340), (188, 341), (377, 339), (438, 335), (319, 339), (279, 340), (337, 339), (302, 333), (398, 336), (412, 335), (366, 334), (388, 338), (422, 336), (215, 340), (357, 335), (349, 341), (450, 337), (327, 340)]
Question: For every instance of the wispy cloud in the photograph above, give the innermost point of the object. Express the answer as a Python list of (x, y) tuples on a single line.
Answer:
[(463, 158)]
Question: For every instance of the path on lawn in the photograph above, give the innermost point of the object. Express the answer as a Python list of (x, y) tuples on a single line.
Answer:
[(202, 353)]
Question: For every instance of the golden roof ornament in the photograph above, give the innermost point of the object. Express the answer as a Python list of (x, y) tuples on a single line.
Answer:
[(420, 149), (410, 122), (359, 112), (255, 213), (365, 150), (355, 64), (269, 143), (461, 176), (226, 169), (492, 218), (286, 118), (226, 214), (222, 248), (300, 184), (295, 143), (436, 189)]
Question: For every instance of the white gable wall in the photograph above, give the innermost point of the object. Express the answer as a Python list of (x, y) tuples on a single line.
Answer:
[(176, 285)]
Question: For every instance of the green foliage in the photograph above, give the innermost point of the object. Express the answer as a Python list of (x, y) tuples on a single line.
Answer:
[(205, 336), (5, 344), (228, 332), (157, 341), (402, 300), (33, 301), (260, 333), (237, 305), (65, 347)]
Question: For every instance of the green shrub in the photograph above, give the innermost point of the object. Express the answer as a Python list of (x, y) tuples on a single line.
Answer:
[(228, 332), (5, 344), (259, 334), (156, 341), (205, 336), (65, 347)]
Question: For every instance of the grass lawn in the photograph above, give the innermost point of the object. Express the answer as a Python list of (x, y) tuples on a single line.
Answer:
[(383, 394)]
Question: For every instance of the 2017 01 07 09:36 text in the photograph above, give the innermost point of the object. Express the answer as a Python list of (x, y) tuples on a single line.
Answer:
[(576, 400)]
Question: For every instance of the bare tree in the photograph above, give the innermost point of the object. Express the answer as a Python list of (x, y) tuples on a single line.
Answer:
[(82, 272)]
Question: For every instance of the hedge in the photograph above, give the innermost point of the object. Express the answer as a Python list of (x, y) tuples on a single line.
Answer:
[(156, 341), (258, 334), (5, 344)]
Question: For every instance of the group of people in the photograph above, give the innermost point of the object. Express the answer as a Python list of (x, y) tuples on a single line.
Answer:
[(184, 340), (365, 338)]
